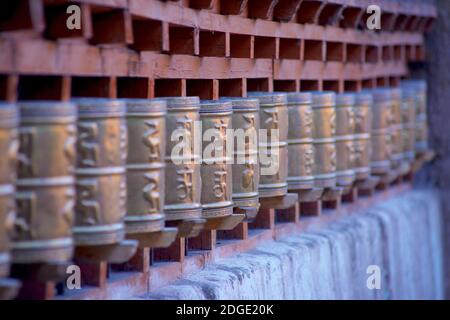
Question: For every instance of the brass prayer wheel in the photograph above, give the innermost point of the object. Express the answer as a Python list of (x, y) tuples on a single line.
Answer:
[(216, 172), (324, 139), (100, 171), (273, 117), (182, 174), (363, 127), (396, 128), (9, 121), (245, 168), (420, 88), (300, 141), (146, 126), (345, 130), (408, 107), (45, 187), (381, 134)]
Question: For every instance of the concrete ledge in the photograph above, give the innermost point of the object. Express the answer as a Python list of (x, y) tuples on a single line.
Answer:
[(402, 236)]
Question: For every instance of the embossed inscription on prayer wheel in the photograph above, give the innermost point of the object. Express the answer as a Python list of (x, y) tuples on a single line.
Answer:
[(396, 128), (216, 172), (8, 149), (345, 129), (381, 135), (45, 187), (100, 171), (245, 168), (183, 180), (300, 141), (420, 88), (408, 107), (146, 126), (363, 127), (273, 117), (324, 139)]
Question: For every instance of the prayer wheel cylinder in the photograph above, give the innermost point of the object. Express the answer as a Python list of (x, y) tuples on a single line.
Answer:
[(381, 134), (345, 129), (45, 188), (273, 115), (183, 177), (420, 87), (324, 139), (216, 172), (9, 143), (245, 168), (300, 141), (396, 128), (408, 107), (100, 171), (363, 127), (146, 126)]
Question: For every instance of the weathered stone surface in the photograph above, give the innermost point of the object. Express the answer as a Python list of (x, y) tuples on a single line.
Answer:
[(401, 236)]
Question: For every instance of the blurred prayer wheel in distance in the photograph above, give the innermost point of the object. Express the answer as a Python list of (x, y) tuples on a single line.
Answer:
[(408, 109), (363, 127), (216, 172), (300, 141), (324, 139), (45, 187), (146, 126), (273, 157), (101, 181), (345, 129), (381, 134), (245, 168), (421, 136), (396, 128), (9, 121), (182, 174)]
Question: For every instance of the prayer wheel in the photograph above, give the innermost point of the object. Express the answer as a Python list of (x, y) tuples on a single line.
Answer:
[(245, 168), (324, 139), (100, 171), (363, 127), (408, 109), (146, 126), (45, 188), (9, 144), (182, 174), (345, 129), (420, 88), (273, 157), (381, 134), (396, 128), (216, 172), (300, 141)]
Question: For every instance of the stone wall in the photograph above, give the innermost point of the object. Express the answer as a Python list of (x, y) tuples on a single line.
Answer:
[(402, 236)]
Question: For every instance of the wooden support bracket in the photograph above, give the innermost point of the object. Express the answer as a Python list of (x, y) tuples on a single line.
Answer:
[(112, 253), (224, 223), (159, 239), (284, 202)]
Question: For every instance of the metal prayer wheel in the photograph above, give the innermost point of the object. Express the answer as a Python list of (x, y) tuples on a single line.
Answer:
[(182, 174), (345, 129), (45, 188), (216, 172), (324, 139), (363, 127), (396, 128), (381, 134), (9, 144), (420, 88), (100, 171), (273, 117), (245, 168), (146, 126), (300, 141), (408, 108)]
